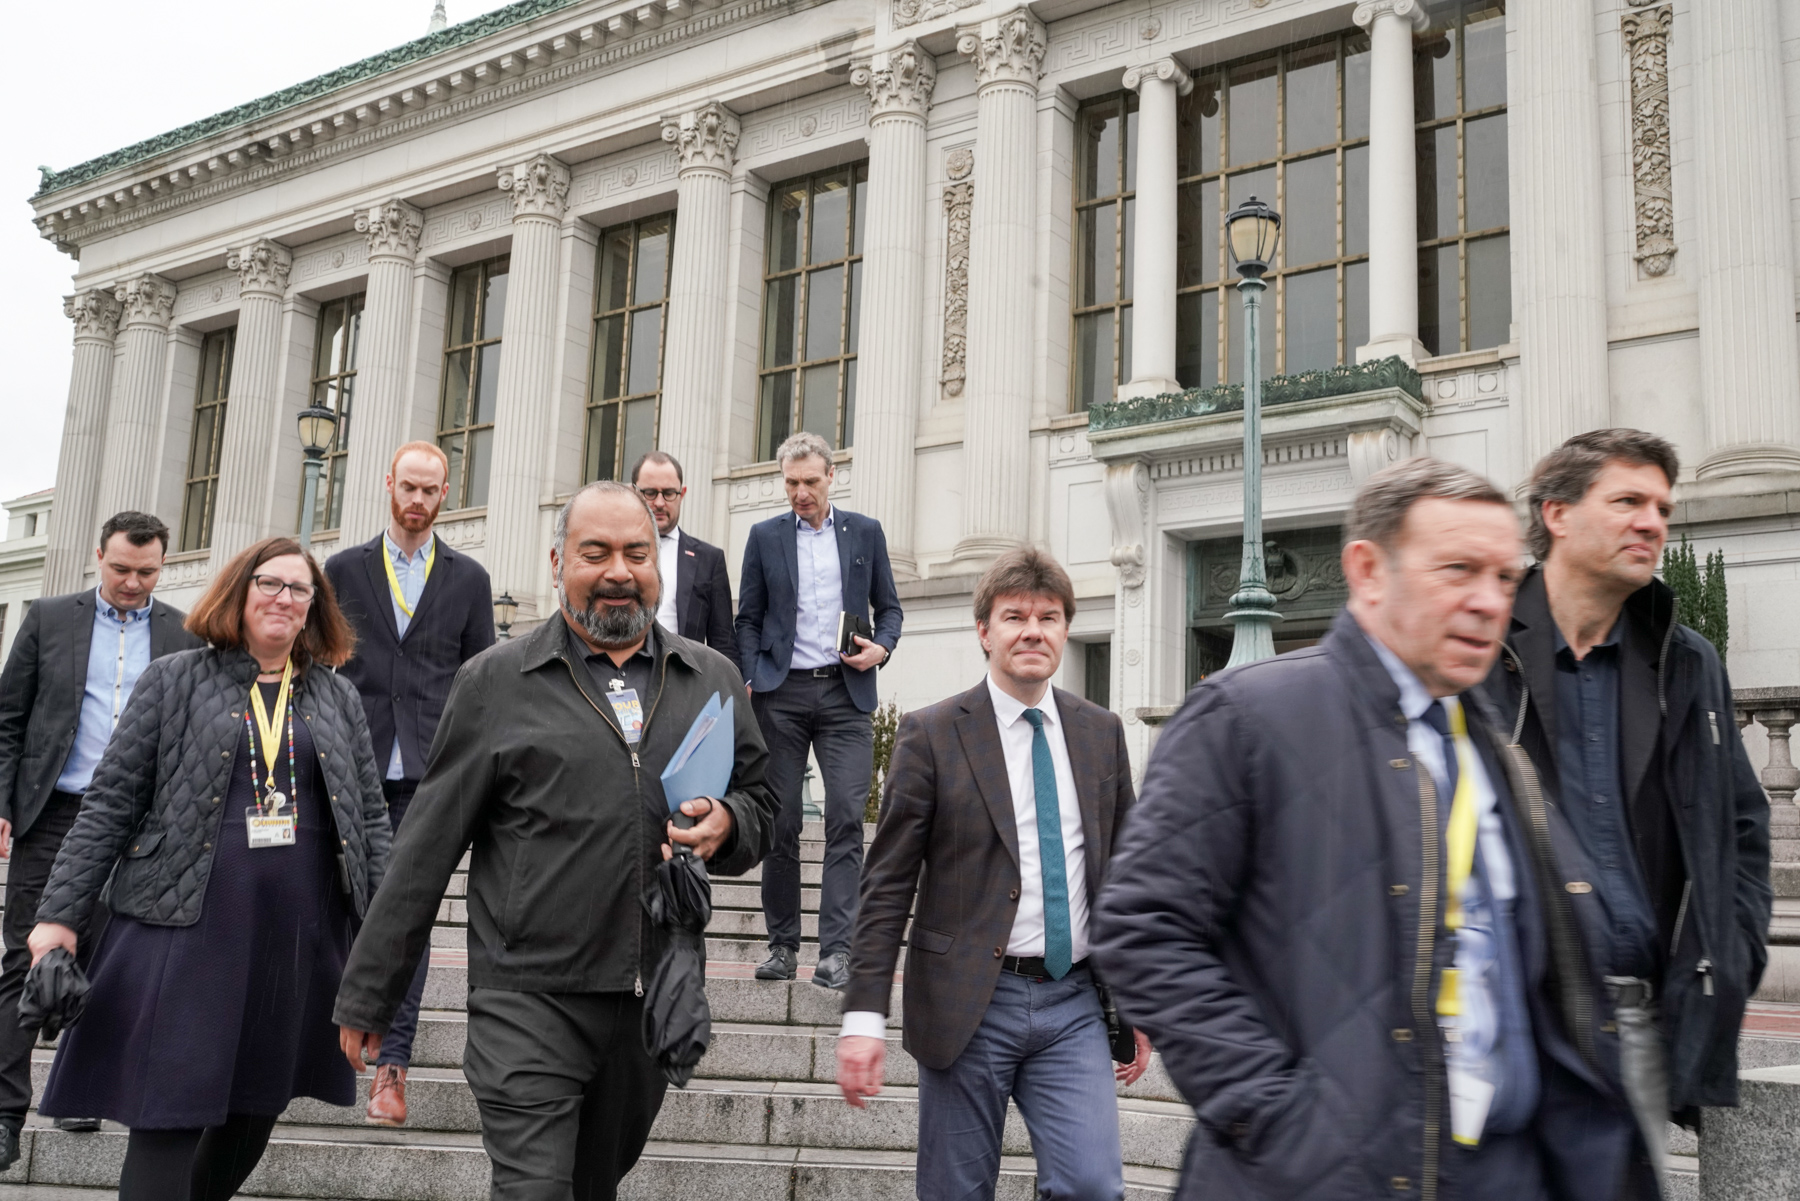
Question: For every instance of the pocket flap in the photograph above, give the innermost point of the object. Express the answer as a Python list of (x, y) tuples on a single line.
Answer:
[(935, 941), (144, 844)]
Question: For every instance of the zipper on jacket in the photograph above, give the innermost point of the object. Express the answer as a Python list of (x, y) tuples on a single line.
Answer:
[(1424, 1019), (1687, 891), (1704, 964), (1662, 660), (1704, 967)]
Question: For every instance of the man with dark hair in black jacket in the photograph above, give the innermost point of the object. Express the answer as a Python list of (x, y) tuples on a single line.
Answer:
[(1628, 717)]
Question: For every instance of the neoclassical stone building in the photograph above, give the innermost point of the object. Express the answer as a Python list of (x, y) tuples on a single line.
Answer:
[(979, 247)]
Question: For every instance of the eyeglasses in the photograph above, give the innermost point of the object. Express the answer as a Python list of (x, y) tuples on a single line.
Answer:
[(665, 493), (271, 586)]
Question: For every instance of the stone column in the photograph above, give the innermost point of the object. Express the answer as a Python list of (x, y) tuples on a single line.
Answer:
[(899, 83), (1157, 84), (1393, 180), (1559, 237), (73, 526), (128, 470), (693, 379), (1749, 366), (379, 407), (253, 434), (516, 556), (1009, 56)]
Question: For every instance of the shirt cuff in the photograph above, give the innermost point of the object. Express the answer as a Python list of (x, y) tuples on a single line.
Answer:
[(863, 1023)]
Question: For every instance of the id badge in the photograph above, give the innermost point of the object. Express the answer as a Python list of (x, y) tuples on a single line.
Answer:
[(1470, 1097), (269, 829), (630, 712)]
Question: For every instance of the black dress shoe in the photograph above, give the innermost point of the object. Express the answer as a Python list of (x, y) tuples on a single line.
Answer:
[(9, 1145), (833, 971), (79, 1125), (780, 965)]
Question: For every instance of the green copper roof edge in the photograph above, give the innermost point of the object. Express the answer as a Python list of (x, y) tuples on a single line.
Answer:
[(403, 55), (1344, 380)]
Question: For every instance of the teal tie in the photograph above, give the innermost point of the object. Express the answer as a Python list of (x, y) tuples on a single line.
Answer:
[(1058, 947)]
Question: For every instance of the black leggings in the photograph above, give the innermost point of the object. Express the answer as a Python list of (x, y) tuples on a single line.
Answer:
[(193, 1165)]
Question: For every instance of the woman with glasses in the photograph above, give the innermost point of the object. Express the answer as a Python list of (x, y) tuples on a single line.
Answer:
[(238, 812)]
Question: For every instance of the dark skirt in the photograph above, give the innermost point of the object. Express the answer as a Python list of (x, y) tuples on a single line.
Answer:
[(232, 1015)]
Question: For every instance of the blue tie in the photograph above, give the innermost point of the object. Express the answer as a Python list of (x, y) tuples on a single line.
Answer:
[(1058, 946)]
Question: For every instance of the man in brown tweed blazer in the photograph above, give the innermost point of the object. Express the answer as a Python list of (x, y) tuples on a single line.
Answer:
[(1000, 1001)]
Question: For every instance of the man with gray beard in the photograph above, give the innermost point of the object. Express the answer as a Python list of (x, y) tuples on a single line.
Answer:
[(548, 762)]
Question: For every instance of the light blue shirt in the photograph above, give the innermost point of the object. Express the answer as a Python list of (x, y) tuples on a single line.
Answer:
[(821, 594), (410, 573), (117, 656)]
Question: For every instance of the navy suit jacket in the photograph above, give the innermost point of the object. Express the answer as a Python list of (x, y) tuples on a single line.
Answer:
[(703, 595), (404, 682), (769, 590)]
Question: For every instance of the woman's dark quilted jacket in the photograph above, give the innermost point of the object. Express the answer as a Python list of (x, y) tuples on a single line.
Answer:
[(157, 805)]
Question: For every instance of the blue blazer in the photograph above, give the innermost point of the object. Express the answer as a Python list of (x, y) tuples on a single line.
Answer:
[(769, 590)]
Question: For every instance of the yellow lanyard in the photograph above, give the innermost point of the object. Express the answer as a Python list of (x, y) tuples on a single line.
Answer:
[(269, 724), (1459, 843), (394, 580)]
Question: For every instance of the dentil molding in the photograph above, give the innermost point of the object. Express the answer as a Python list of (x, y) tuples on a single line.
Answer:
[(1407, 10), (705, 138), (262, 266), (95, 313), (146, 300), (899, 81), (539, 187), (393, 230), (1647, 44), (1008, 49), (1165, 69)]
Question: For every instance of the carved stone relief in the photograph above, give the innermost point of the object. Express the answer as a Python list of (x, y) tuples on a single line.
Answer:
[(1647, 44), (94, 312), (539, 187), (912, 12), (1128, 504), (705, 137), (899, 81), (147, 300), (959, 203), (1008, 50), (262, 266), (392, 229)]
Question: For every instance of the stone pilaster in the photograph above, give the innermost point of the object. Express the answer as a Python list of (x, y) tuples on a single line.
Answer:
[(127, 471), (1558, 235), (693, 378), (253, 436), (1129, 501), (516, 555), (889, 376), (1158, 85), (74, 527), (379, 407), (1749, 366), (1008, 52), (1393, 180)]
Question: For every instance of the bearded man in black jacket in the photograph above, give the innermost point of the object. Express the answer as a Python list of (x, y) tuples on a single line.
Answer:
[(548, 762)]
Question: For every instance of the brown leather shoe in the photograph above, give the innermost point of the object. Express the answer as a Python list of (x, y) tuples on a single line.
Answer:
[(387, 1096)]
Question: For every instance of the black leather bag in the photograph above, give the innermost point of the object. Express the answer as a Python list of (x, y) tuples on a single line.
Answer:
[(1120, 1036)]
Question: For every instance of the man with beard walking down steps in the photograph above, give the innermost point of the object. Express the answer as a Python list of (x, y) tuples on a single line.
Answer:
[(420, 611)]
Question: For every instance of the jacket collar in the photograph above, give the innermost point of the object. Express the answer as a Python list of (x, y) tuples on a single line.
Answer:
[(1348, 646), (550, 641)]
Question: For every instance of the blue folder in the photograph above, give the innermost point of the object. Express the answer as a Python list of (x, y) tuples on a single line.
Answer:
[(701, 765)]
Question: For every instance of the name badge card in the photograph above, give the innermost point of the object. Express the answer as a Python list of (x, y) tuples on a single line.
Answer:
[(630, 712), (1470, 1097), (269, 829)]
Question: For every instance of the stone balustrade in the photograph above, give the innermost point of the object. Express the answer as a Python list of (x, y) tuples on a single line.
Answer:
[(1776, 710)]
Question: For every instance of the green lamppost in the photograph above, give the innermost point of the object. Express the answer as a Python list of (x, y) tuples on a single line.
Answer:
[(1253, 229), (317, 425), (505, 610)]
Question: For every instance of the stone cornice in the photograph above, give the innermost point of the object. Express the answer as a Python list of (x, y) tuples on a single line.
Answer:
[(1008, 49), (705, 138), (1409, 10), (392, 230), (96, 314), (1165, 69), (262, 267), (1345, 380), (539, 187), (899, 81), (146, 300)]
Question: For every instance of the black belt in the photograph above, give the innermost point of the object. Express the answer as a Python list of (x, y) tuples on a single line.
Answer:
[(822, 673), (1033, 967), (1629, 992)]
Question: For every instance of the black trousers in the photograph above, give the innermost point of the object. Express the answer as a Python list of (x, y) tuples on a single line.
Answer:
[(816, 713), (33, 855), (397, 1044), (566, 1091), (193, 1165)]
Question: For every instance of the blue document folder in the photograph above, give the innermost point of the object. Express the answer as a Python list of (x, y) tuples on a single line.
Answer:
[(701, 765)]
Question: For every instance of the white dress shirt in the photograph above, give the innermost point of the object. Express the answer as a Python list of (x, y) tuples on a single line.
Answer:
[(821, 594), (668, 560), (1027, 939)]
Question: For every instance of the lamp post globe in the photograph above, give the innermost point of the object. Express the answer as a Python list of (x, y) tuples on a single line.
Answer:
[(1253, 230), (318, 425), (506, 609)]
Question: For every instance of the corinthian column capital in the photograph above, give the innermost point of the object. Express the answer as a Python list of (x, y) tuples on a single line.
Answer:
[(539, 186), (1412, 11), (262, 266), (899, 81), (1166, 70), (392, 229), (146, 300), (705, 138), (95, 313), (1008, 49)]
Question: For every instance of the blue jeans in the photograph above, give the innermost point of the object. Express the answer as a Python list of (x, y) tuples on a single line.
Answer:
[(1042, 1043)]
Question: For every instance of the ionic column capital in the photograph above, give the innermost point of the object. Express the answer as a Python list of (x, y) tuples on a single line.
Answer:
[(262, 266), (705, 138), (899, 81), (539, 187), (1412, 11), (1165, 70), (146, 300), (1008, 49), (392, 229), (95, 313)]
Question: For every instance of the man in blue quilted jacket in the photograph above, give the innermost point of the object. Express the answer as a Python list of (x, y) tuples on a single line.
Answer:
[(1338, 909)]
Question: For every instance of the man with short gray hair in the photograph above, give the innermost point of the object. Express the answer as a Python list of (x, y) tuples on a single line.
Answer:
[(1338, 909), (808, 574)]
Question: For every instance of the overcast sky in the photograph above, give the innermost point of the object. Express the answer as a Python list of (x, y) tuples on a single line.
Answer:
[(107, 73)]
